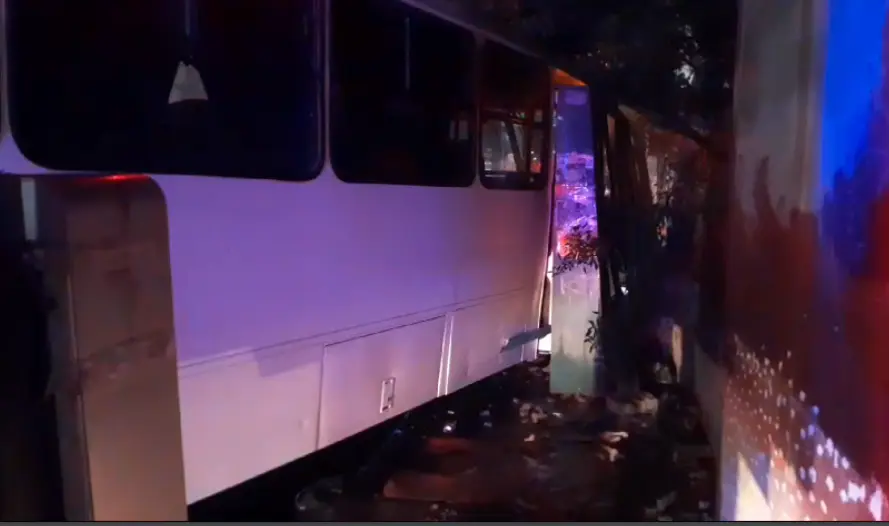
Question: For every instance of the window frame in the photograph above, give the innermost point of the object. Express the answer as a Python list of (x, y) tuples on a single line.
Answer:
[(519, 180), (309, 172), (469, 115), (492, 179)]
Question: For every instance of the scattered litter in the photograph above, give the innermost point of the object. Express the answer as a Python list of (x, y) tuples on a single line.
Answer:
[(539, 471), (647, 404), (620, 407), (661, 505), (613, 454), (317, 502), (547, 474), (664, 502), (643, 404), (613, 437), (662, 374), (531, 413), (443, 515)]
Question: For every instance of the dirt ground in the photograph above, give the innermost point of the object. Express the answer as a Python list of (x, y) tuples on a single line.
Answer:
[(508, 450)]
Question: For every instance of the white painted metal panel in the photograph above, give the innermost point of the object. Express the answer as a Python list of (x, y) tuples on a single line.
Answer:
[(247, 414), (355, 372)]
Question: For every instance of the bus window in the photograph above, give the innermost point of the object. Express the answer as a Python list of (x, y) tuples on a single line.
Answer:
[(91, 86), (516, 118), (402, 96)]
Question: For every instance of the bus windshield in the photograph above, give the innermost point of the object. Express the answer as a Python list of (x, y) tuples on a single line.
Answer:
[(204, 87)]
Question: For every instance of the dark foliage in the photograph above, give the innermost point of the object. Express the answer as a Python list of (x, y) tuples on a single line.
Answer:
[(671, 58)]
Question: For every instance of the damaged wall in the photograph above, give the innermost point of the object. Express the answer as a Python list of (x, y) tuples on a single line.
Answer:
[(797, 395)]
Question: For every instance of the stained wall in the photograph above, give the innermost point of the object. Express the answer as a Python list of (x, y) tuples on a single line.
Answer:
[(796, 388)]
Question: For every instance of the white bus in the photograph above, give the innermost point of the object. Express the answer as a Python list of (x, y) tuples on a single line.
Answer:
[(266, 226)]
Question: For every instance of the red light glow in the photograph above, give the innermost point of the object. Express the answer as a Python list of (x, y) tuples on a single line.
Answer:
[(120, 178)]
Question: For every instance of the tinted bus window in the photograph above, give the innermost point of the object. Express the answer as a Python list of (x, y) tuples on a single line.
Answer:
[(516, 119), (92, 86), (402, 96)]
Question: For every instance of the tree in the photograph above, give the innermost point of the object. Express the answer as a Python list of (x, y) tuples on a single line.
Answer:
[(673, 59)]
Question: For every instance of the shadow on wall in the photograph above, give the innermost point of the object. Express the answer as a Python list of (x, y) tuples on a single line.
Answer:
[(804, 373)]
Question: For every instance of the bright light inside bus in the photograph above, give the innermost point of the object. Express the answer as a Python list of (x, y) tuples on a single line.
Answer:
[(545, 344)]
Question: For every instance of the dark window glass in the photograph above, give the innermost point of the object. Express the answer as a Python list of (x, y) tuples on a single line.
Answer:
[(516, 119), (402, 96), (92, 86)]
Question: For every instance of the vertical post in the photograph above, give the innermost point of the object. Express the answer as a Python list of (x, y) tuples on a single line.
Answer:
[(30, 476)]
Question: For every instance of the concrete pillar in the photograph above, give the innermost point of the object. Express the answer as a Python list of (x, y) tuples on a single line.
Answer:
[(575, 304)]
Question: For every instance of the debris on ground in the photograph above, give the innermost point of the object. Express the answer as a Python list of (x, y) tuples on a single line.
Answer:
[(637, 404), (613, 437), (533, 456)]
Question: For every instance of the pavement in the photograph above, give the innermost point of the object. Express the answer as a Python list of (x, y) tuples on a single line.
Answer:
[(506, 449)]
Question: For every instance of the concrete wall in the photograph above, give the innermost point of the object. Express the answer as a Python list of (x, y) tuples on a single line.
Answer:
[(796, 394)]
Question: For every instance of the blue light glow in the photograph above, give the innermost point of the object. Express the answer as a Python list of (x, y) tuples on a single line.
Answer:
[(853, 78)]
